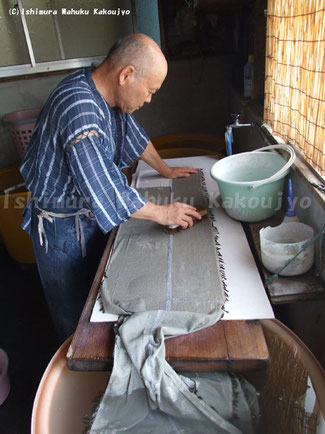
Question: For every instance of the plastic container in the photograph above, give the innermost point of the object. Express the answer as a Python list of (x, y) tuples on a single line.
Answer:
[(21, 125), (251, 183), (4, 379), (281, 243), (12, 203), (65, 397), (249, 78)]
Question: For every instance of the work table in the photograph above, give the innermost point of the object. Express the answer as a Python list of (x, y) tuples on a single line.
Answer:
[(235, 345), (231, 344)]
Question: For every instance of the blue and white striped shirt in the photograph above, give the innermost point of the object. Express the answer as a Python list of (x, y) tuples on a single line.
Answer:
[(62, 164)]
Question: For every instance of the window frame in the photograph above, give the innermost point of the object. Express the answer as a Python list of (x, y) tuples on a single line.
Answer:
[(41, 67), (34, 67)]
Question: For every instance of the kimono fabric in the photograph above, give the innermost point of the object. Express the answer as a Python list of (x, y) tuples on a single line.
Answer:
[(164, 286)]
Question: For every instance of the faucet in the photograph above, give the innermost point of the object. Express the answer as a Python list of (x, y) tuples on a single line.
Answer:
[(228, 135)]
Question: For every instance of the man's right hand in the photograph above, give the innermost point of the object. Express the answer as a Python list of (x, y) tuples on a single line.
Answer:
[(178, 213)]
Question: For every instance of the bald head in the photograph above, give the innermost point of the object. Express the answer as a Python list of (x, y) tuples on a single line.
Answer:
[(132, 72), (138, 50)]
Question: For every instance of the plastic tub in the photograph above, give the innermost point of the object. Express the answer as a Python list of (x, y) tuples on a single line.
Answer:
[(21, 125), (281, 243), (12, 203), (294, 391), (251, 183), (64, 398)]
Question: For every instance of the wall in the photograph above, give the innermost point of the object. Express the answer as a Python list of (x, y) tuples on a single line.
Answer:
[(193, 98)]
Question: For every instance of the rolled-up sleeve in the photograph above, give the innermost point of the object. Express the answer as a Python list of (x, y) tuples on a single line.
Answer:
[(101, 183)]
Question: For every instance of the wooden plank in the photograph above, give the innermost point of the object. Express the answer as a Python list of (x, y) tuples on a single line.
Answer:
[(307, 286), (92, 347), (227, 345), (295, 288), (93, 343), (247, 349), (204, 350)]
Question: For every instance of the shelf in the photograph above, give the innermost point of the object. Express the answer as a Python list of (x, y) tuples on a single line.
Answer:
[(307, 286)]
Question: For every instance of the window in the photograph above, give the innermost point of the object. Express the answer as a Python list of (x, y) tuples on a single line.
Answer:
[(44, 35), (295, 75)]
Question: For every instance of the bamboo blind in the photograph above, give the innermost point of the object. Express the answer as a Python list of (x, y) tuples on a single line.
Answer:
[(294, 75)]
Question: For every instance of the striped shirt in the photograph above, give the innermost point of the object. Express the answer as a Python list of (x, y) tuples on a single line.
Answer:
[(64, 165)]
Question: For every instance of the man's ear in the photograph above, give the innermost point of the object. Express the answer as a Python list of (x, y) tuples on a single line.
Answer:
[(126, 74)]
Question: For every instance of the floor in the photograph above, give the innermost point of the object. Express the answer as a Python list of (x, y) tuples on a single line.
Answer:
[(28, 337)]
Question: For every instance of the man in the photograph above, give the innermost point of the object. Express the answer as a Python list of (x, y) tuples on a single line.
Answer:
[(84, 137)]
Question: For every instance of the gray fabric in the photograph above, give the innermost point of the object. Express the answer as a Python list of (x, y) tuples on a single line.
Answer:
[(169, 285), (145, 392), (189, 190), (152, 270)]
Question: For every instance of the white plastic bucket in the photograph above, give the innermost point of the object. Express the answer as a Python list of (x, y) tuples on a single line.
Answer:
[(281, 243), (251, 183)]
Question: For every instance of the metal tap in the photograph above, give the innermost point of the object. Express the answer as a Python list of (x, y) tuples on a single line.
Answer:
[(228, 135), (237, 124)]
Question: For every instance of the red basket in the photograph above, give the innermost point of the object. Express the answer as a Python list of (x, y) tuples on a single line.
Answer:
[(21, 125)]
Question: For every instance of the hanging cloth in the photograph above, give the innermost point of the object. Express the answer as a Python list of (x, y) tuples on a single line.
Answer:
[(164, 286)]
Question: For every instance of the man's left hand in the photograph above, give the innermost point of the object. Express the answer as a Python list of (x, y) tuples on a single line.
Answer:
[(180, 172)]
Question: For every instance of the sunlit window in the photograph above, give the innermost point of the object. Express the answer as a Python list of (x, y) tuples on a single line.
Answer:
[(45, 35), (295, 75)]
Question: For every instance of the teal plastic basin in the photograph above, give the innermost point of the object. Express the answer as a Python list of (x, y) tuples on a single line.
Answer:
[(237, 176)]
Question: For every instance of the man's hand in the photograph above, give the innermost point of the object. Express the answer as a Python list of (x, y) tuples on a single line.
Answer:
[(151, 157), (180, 214), (180, 172)]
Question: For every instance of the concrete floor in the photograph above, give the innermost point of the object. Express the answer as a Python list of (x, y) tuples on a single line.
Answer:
[(28, 337)]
